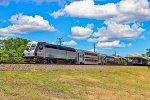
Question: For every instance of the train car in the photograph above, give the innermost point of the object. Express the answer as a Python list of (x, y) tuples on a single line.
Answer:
[(113, 60), (103, 59), (87, 57), (137, 59), (110, 60), (120, 60), (41, 52)]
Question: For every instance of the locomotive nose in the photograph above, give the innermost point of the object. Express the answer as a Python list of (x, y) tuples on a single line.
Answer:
[(30, 49)]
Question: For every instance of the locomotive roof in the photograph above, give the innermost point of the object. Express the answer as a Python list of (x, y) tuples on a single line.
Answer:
[(59, 47)]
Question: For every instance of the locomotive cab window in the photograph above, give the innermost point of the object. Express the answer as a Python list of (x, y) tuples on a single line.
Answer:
[(33, 47), (27, 48)]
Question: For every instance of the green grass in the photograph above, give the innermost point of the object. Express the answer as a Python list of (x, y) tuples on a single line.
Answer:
[(104, 84)]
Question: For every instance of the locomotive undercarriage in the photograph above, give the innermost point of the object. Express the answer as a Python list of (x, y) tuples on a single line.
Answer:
[(38, 60)]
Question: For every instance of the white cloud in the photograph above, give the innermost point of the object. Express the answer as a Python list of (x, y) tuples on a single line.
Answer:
[(133, 10), (57, 14), (129, 45), (60, 2), (98, 39), (93, 39), (90, 26), (87, 9), (143, 37), (80, 32), (114, 31), (125, 11), (112, 44), (70, 43), (23, 24)]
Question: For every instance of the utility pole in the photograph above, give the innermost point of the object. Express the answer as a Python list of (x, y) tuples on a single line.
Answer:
[(115, 53), (94, 47), (60, 41)]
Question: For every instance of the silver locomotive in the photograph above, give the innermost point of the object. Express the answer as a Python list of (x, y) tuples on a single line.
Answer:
[(41, 52)]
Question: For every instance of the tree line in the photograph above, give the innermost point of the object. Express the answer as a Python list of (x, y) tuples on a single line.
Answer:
[(11, 50)]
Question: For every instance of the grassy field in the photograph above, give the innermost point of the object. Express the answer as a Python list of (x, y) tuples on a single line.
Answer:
[(103, 84)]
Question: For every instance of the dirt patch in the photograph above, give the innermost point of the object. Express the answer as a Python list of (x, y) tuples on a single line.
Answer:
[(110, 94), (138, 75), (66, 78), (145, 78)]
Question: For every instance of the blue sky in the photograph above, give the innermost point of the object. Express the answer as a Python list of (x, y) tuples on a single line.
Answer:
[(114, 25)]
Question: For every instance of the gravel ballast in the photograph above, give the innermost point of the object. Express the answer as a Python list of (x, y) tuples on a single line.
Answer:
[(30, 67)]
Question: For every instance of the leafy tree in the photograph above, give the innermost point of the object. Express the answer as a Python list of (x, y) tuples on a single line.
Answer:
[(148, 55), (143, 55), (13, 51)]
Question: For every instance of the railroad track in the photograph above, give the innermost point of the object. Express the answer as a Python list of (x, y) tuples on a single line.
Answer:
[(30, 67)]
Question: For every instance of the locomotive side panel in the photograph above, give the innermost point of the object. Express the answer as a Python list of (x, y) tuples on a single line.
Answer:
[(56, 53), (59, 54), (71, 55)]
